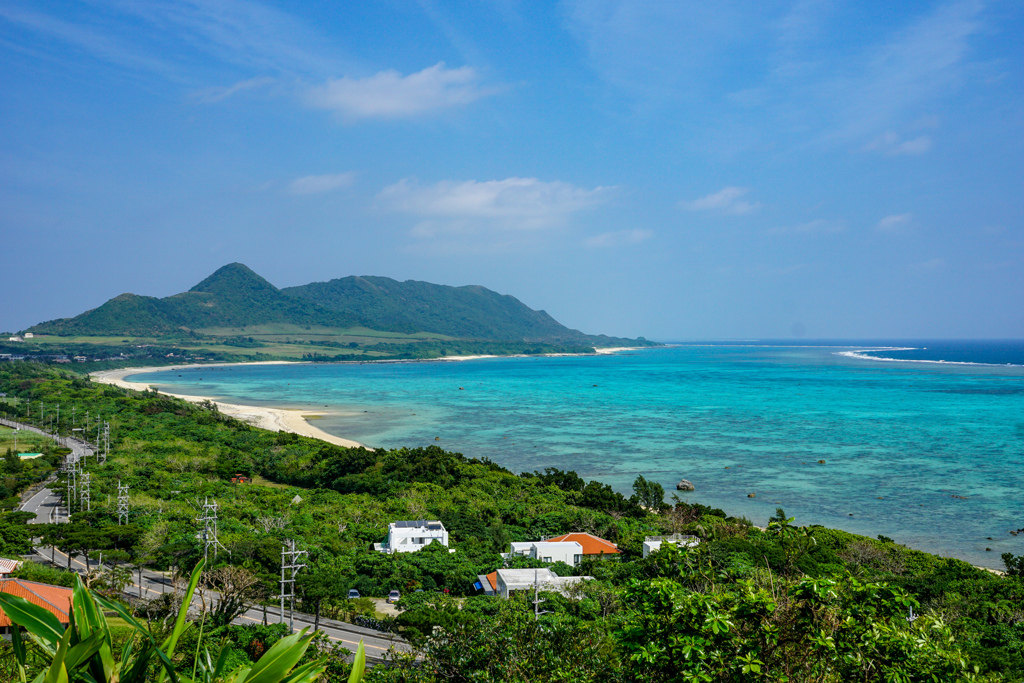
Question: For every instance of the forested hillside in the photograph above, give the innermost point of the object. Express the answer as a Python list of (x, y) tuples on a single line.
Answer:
[(410, 306)]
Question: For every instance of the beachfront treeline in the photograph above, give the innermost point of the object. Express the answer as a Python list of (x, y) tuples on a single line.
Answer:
[(783, 603)]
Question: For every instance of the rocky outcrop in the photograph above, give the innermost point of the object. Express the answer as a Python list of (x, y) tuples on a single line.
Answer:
[(684, 485)]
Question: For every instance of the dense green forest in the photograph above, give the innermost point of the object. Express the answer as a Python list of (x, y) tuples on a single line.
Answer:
[(775, 602), (235, 297)]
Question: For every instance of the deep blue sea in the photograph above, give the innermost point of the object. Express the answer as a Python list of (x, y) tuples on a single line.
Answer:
[(929, 453)]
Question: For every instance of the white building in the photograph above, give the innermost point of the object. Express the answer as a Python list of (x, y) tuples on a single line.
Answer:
[(410, 536), (653, 543), (569, 552), (509, 580)]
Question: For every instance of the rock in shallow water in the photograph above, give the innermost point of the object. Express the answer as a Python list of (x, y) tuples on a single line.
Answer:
[(684, 485)]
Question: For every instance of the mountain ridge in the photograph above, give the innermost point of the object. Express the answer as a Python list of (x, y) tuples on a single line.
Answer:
[(235, 296)]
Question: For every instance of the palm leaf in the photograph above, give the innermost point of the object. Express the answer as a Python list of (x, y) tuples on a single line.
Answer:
[(19, 650), (358, 664), (179, 623), (274, 665)]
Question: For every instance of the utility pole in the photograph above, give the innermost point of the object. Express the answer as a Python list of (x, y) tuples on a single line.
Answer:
[(536, 598), (106, 443), (86, 493), (291, 561), (122, 503), (71, 467)]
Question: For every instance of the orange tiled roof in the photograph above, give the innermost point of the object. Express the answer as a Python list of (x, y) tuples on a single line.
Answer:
[(56, 599), (592, 545), (492, 579)]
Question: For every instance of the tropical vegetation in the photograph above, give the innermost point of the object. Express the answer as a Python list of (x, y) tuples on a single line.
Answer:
[(782, 602)]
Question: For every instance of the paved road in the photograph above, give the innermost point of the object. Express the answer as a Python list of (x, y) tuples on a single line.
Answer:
[(155, 584), (45, 505)]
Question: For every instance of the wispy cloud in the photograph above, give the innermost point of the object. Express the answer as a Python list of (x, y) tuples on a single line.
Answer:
[(891, 144), (470, 206), (815, 227), (894, 222), (389, 94), (316, 184), (164, 37), (924, 62), (618, 238), (93, 40), (929, 266), (218, 94), (728, 200)]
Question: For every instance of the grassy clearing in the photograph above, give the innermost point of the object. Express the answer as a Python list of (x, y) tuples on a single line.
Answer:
[(28, 442), (312, 332)]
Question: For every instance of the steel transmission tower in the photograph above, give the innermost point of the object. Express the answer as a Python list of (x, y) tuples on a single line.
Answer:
[(122, 503), (291, 563), (208, 536), (86, 502)]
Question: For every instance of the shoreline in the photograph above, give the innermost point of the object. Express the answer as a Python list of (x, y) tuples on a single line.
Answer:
[(284, 419), (271, 419)]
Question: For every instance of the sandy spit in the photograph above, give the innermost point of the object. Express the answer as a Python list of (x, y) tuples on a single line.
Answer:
[(273, 419)]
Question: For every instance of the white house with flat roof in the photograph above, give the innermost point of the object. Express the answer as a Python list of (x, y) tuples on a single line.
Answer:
[(413, 535), (652, 544), (569, 552), (509, 580)]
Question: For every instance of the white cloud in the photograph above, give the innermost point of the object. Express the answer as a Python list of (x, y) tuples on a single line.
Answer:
[(894, 222), (727, 200), (618, 238), (389, 94), (315, 184), (815, 227), (471, 206)]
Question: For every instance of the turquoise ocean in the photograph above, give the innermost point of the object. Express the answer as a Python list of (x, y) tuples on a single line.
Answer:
[(921, 442)]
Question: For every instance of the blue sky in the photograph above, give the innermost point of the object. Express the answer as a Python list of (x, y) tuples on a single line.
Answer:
[(677, 170)]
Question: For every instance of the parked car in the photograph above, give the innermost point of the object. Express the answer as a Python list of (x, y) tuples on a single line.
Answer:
[(394, 596), (353, 594)]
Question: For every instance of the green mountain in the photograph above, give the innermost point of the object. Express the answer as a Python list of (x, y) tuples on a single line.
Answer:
[(236, 297), (472, 312)]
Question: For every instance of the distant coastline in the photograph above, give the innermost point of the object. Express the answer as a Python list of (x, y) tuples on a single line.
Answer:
[(280, 419)]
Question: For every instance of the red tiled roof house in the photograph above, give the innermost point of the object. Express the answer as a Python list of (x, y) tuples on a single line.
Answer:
[(54, 599)]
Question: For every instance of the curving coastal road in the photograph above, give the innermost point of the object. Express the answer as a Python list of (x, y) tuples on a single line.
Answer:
[(46, 505)]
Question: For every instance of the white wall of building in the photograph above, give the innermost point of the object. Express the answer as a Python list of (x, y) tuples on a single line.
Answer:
[(411, 536), (569, 552)]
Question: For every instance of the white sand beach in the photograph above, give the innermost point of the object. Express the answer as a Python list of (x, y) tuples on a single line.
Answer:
[(273, 419)]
